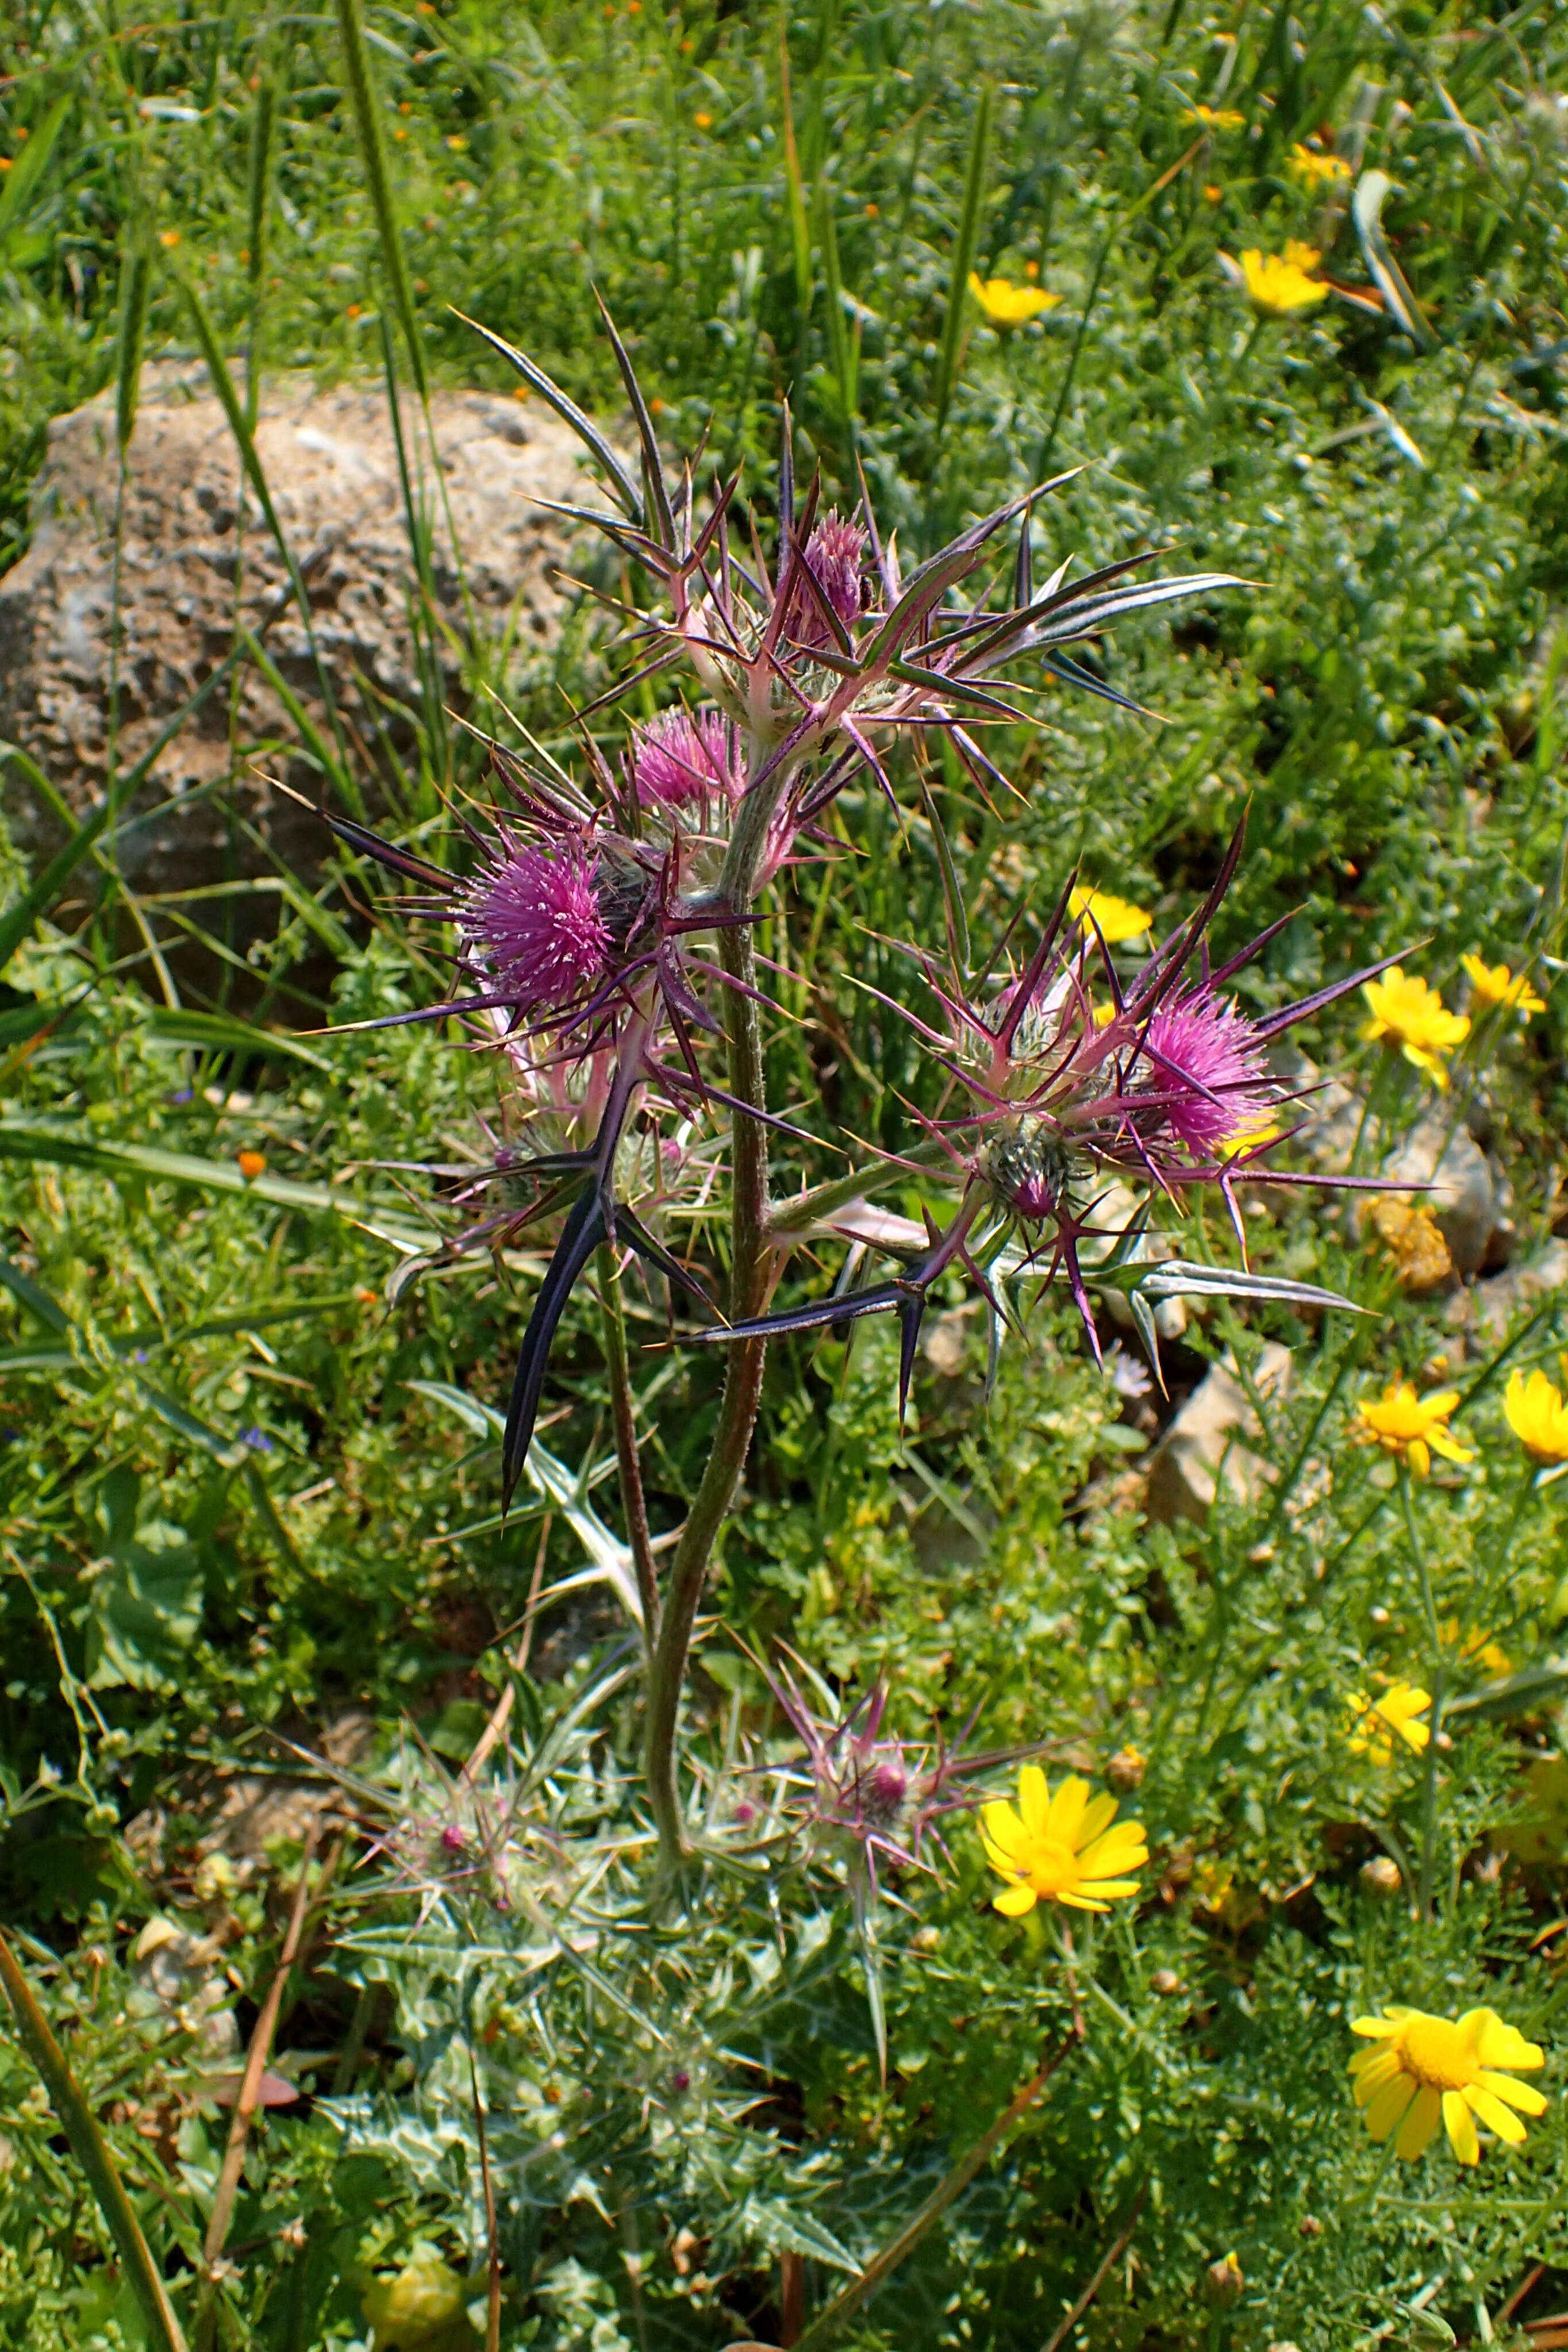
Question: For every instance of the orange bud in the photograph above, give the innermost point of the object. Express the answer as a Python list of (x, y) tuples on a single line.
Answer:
[(252, 1163)]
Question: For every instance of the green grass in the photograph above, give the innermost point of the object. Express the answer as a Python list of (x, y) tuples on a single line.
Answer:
[(235, 1504)]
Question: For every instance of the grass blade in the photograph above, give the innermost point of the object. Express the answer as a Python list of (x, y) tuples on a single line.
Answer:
[(258, 196), (223, 384), (367, 121), (28, 169), (91, 2152), (800, 235), (844, 347), (963, 258), (132, 339), (18, 919), (1366, 206)]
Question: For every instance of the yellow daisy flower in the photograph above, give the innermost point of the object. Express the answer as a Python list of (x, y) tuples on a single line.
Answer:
[(1223, 118), (1378, 1722), (1474, 1647), (1411, 1427), (1278, 284), (1006, 305), (1537, 1416), (1116, 919), (1406, 1012), (1314, 171), (1062, 1848), (1495, 984), (1426, 2069)]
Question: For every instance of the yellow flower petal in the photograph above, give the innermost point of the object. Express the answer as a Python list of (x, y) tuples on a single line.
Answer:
[(1494, 2114), (1014, 1901), (1002, 1826), (1121, 1848), (1389, 2106), (1116, 919), (1460, 2126), (1098, 1816), (1522, 2096), (1415, 2132), (1376, 2067), (1378, 2028), (1068, 1807), (1497, 2045)]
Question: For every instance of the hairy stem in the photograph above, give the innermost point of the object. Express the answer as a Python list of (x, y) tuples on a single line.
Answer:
[(628, 1462), (749, 1259)]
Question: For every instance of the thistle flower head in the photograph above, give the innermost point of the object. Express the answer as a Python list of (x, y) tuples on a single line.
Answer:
[(537, 922), (1209, 1069), (679, 761), (865, 1797), (834, 554)]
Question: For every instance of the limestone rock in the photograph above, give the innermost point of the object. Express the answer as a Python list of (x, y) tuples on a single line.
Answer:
[(195, 543), (1210, 1431), (1462, 1198), (1492, 1305)]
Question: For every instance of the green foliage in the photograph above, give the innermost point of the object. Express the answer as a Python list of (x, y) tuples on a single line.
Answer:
[(241, 1516)]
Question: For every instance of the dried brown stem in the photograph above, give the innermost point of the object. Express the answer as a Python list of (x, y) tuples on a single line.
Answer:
[(849, 2299), (1117, 2248), (245, 2104)]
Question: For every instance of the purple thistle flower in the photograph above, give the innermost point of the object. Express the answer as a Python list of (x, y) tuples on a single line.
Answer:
[(1210, 1071), (538, 921), (834, 552), (868, 1797), (679, 760)]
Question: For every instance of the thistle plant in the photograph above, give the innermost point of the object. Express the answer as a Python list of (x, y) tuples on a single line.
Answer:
[(603, 945)]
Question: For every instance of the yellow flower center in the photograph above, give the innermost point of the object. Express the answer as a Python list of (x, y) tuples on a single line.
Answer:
[(1052, 1867), (1437, 2054)]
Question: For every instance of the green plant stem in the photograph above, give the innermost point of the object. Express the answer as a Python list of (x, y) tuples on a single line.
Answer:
[(749, 1257), (1435, 1714), (962, 258), (91, 2152), (628, 1462), (849, 2301)]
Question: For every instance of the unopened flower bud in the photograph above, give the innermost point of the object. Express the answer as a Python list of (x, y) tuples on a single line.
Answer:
[(1125, 1770), (1381, 1876), (1310, 2226), (1165, 1982), (1224, 2283)]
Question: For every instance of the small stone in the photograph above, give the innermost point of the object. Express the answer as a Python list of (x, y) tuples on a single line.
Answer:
[(1207, 1433), (1496, 1302), (1380, 1876), (945, 1340), (1461, 1200)]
